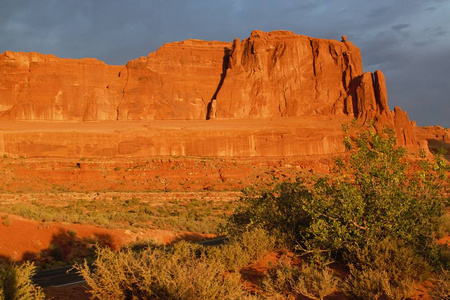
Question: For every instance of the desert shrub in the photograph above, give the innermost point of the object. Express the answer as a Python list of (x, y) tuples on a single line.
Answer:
[(284, 280), (231, 255), (280, 211), (441, 286), (379, 212), (16, 284), (444, 226), (375, 192), (181, 272), (240, 250), (387, 269), (370, 283), (133, 212), (256, 242), (5, 220)]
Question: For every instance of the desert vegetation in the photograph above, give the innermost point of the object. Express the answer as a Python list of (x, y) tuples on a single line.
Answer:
[(184, 271), (372, 229), (367, 231), (190, 214), (15, 283), (378, 214)]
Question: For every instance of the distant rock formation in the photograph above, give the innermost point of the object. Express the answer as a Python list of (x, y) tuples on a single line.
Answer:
[(269, 74)]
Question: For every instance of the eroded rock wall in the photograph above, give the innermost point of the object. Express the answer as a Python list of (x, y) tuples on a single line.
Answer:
[(43, 87), (282, 74), (269, 74)]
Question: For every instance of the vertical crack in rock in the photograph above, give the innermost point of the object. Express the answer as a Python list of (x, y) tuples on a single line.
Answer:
[(377, 108), (313, 57), (123, 92), (283, 110), (22, 102), (211, 108), (313, 52), (334, 55), (404, 137)]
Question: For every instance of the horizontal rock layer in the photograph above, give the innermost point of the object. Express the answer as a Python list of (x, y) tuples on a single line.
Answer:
[(291, 136)]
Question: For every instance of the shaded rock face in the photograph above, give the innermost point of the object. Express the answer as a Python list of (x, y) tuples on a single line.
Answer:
[(274, 74)]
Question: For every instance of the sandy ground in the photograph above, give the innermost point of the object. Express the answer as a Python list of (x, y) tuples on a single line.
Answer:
[(22, 237)]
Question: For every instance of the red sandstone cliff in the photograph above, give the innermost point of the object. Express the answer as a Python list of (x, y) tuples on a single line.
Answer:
[(275, 74), (43, 87)]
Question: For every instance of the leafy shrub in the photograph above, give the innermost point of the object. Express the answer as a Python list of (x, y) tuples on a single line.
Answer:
[(181, 272), (280, 211), (379, 212), (375, 192), (16, 284), (285, 280)]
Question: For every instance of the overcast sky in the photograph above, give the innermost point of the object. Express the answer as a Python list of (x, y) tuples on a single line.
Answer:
[(409, 40)]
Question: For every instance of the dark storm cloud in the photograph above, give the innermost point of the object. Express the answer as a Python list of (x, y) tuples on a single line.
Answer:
[(400, 26), (407, 39), (375, 13)]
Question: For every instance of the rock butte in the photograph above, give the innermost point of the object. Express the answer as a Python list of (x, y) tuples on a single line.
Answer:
[(272, 94)]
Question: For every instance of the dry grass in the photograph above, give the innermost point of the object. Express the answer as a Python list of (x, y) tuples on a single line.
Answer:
[(15, 283), (181, 272)]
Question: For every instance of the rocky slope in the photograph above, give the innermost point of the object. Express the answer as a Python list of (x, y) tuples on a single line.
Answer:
[(268, 75)]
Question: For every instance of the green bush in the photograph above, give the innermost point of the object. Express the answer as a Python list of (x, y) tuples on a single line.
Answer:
[(375, 192), (280, 211), (16, 284), (379, 212)]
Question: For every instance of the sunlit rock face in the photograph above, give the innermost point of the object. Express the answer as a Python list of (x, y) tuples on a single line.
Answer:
[(43, 87), (268, 75)]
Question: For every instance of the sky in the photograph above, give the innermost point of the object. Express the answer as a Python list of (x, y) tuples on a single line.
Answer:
[(408, 40)]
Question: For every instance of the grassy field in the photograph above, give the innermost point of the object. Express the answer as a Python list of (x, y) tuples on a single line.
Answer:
[(177, 211)]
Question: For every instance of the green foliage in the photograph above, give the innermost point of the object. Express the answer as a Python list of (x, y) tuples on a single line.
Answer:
[(374, 193), (181, 272), (190, 215), (379, 212), (280, 211), (379, 194), (16, 284)]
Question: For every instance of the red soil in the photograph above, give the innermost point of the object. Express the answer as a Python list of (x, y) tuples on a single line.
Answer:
[(23, 238)]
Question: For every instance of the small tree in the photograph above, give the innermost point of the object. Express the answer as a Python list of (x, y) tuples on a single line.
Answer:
[(378, 212), (375, 192)]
